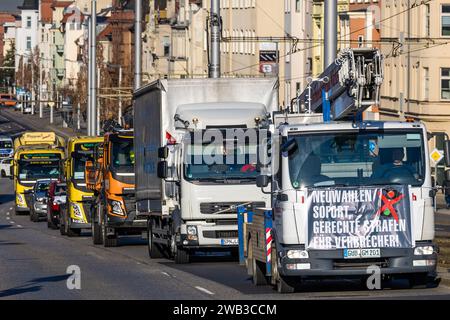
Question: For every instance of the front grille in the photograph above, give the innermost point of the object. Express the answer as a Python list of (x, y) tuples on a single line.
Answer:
[(341, 264), (220, 234), (227, 207)]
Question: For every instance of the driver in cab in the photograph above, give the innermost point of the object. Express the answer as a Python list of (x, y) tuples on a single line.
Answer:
[(394, 167)]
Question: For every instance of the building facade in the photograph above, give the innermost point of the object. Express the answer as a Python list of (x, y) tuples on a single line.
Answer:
[(27, 33), (417, 69)]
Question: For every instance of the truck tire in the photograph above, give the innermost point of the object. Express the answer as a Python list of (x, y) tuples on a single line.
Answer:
[(282, 285), (154, 250), (181, 256), (108, 241), (97, 237), (62, 229), (73, 232)]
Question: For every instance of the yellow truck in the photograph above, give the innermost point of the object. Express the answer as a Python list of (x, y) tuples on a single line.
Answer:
[(37, 155), (75, 215)]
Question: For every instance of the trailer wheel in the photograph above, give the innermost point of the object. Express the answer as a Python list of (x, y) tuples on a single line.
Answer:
[(181, 256), (281, 283), (96, 228), (154, 250)]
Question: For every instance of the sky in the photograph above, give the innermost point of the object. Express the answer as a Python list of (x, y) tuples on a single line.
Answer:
[(10, 5)]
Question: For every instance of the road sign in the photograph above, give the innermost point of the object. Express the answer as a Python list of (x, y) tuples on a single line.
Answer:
[(436, 155)]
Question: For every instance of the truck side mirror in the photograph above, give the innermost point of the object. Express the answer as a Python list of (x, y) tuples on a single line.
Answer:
[(447, 152), (163, 169), (163, 152), (262, 181)]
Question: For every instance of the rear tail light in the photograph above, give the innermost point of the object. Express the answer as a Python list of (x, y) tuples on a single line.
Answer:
[(55, 207)]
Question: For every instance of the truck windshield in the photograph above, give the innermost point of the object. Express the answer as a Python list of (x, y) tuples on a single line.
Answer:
[(85, 150), (5, 144), (357, 158), (38, 170), (219, 163), (123, 154)]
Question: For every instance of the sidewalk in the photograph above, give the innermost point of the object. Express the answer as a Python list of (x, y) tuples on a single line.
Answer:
[(38, 124)]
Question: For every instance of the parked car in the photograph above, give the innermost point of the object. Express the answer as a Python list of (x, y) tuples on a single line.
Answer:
[(38, 207), (27, 108), (7, 100), (56, 198), (5, 167)]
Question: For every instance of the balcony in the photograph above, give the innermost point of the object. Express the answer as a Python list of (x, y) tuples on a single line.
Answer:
[(59, 73)]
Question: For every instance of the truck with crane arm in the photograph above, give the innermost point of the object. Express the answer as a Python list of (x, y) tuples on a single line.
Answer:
[(348, 197)]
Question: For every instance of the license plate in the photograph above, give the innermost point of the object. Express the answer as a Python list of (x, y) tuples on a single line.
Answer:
[(229, 242), (361, 253)]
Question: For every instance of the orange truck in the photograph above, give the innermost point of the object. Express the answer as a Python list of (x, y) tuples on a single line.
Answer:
[(110, 175)]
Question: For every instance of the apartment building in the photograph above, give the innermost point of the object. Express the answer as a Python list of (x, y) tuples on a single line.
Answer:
[(417, 64), (27, 32), (7, 33), (319, 33)]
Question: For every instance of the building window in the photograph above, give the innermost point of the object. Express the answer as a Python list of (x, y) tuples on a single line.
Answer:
[(427, 20), (28, 22), (166, 45), (297, 5), (426, 87), (445, 20), (360, 41), (28, 43), (445, 83)]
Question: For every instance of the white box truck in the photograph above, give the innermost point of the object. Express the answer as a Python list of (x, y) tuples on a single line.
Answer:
[(191, 201)]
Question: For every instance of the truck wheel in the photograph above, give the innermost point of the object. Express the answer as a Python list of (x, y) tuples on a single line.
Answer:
[(108, 241), (280, 282), (62, 229), (73, 232), (97, 237), (181, 256), (154, 250)]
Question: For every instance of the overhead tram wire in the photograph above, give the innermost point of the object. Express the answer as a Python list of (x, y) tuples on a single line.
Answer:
[(321, 42)]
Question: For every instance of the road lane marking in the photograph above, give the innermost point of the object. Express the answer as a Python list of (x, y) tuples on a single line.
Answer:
[(10, 208), (7, 218), (12, 222), (7, 213), (165, 273), (204, 290), (19, 226)]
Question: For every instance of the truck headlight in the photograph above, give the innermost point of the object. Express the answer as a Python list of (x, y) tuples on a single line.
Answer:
[(192, 230), (77, 210), (116, 207), (297, 254), (423, 251)]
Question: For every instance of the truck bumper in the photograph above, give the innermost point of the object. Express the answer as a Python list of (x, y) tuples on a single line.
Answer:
[(131, 221), (333, 263), (209, 235)]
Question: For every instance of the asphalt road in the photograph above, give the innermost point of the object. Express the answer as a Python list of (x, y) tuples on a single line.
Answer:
[(34, 262)]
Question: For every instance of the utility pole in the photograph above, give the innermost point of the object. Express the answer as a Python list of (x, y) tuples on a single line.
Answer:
[(40, 89), (330, 26), (89, 109), (214, 66), (97, 124), (120, 96), (93, 69), (32, 86), (138, 45)]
